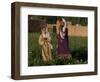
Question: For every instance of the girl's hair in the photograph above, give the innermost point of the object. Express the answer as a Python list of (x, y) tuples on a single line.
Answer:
[(59, 18), (43, 25)]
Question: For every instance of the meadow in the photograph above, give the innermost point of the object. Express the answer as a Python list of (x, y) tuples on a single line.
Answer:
[(78, 48)]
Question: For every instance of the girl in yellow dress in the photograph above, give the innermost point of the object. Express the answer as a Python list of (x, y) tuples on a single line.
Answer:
[(45, 43)]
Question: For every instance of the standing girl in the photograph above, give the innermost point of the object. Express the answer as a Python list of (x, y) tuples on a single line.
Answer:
[(63, 50), (45, 43)]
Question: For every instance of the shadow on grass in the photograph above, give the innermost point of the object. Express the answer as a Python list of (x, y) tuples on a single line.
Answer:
[(80, 54)]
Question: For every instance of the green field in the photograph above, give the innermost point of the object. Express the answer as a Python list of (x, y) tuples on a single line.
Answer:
[(78, 47)]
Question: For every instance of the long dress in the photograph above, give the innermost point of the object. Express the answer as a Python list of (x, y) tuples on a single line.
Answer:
[(46, 47), (63, 50)]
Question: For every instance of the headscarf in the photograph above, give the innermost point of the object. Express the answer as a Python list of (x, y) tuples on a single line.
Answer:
[(63, 28)]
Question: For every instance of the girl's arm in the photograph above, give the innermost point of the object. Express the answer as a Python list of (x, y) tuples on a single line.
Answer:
[(41, 42), (57, 27), (61, 34), (49, 38)]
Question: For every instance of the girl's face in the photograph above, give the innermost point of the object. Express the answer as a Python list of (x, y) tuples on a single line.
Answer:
[(61, 23), (44, 30)]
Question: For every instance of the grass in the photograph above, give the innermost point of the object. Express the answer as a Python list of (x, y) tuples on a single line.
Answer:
[(78, 47)]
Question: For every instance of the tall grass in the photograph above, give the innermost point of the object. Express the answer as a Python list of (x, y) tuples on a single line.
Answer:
[(78, 48)]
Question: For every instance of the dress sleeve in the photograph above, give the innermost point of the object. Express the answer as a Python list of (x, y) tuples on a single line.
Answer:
[(41, 42)]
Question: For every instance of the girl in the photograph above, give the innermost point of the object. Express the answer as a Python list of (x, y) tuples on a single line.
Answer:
[(63, 50), (44, 41)]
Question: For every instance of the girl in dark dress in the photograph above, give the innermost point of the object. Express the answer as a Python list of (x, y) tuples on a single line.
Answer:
[(63, 50)]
